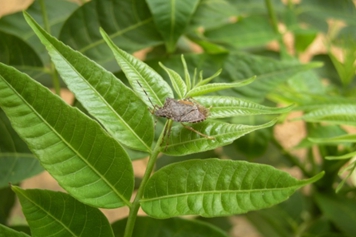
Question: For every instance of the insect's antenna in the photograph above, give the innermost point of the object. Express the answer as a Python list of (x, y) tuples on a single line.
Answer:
[(154, 107), (146, 94)]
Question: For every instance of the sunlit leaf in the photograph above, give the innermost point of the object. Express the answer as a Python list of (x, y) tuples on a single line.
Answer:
[(73, 148), (212, 87), (178, 84), (101, 93), (214, 187), (343, 114), (337, 140), (236, 67), (224, 106), (342, 157), (207, 80), (142, 78), (183, 141), (187, 78)]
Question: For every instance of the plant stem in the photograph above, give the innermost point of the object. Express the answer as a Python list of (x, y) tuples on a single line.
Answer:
[(47, 27), (55, 80), (151, 163), (272, 16), (274, 22), (44, 16)]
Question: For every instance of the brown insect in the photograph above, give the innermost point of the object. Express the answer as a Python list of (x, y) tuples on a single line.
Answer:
[(181, 111), (186, 110)]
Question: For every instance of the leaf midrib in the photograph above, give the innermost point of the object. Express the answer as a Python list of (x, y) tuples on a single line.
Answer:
[(49, 214), (140, 75), (66, 143), (118, 33), (197, 193), (98, 95), (245, 128)]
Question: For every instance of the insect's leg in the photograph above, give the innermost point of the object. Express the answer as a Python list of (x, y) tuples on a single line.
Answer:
[(191, 100), (201, 134), (166, 132), (169, 127)]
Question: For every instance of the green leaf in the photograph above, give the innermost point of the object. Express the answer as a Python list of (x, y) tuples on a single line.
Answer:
[(346, 171), (320, 132), (342, 114), (207, 80), (255, 7), (183, 141), (139, 74), (16, 161), (342, 157), (73, 148), (281, 220), (16, 167), (128, 23), (18, 53), (178, 84), (58, 214), (310, 102), (322, 10), (7, 202), (8, 232), (303, 38), (214, 187), (212, 14), (335, 140), (246, 32), (204, 89), (328, 70), (254, 145), (235, 66), (224, 106), (186, 74), (57, 13), (207, 46), (307, 82), (172, 18), (10, 142), (339, 210), (272, 73), (176, 227), (105, 97), (346, 67)]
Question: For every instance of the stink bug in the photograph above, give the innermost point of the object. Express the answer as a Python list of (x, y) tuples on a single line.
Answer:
[(182, 111), (186, 110)]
